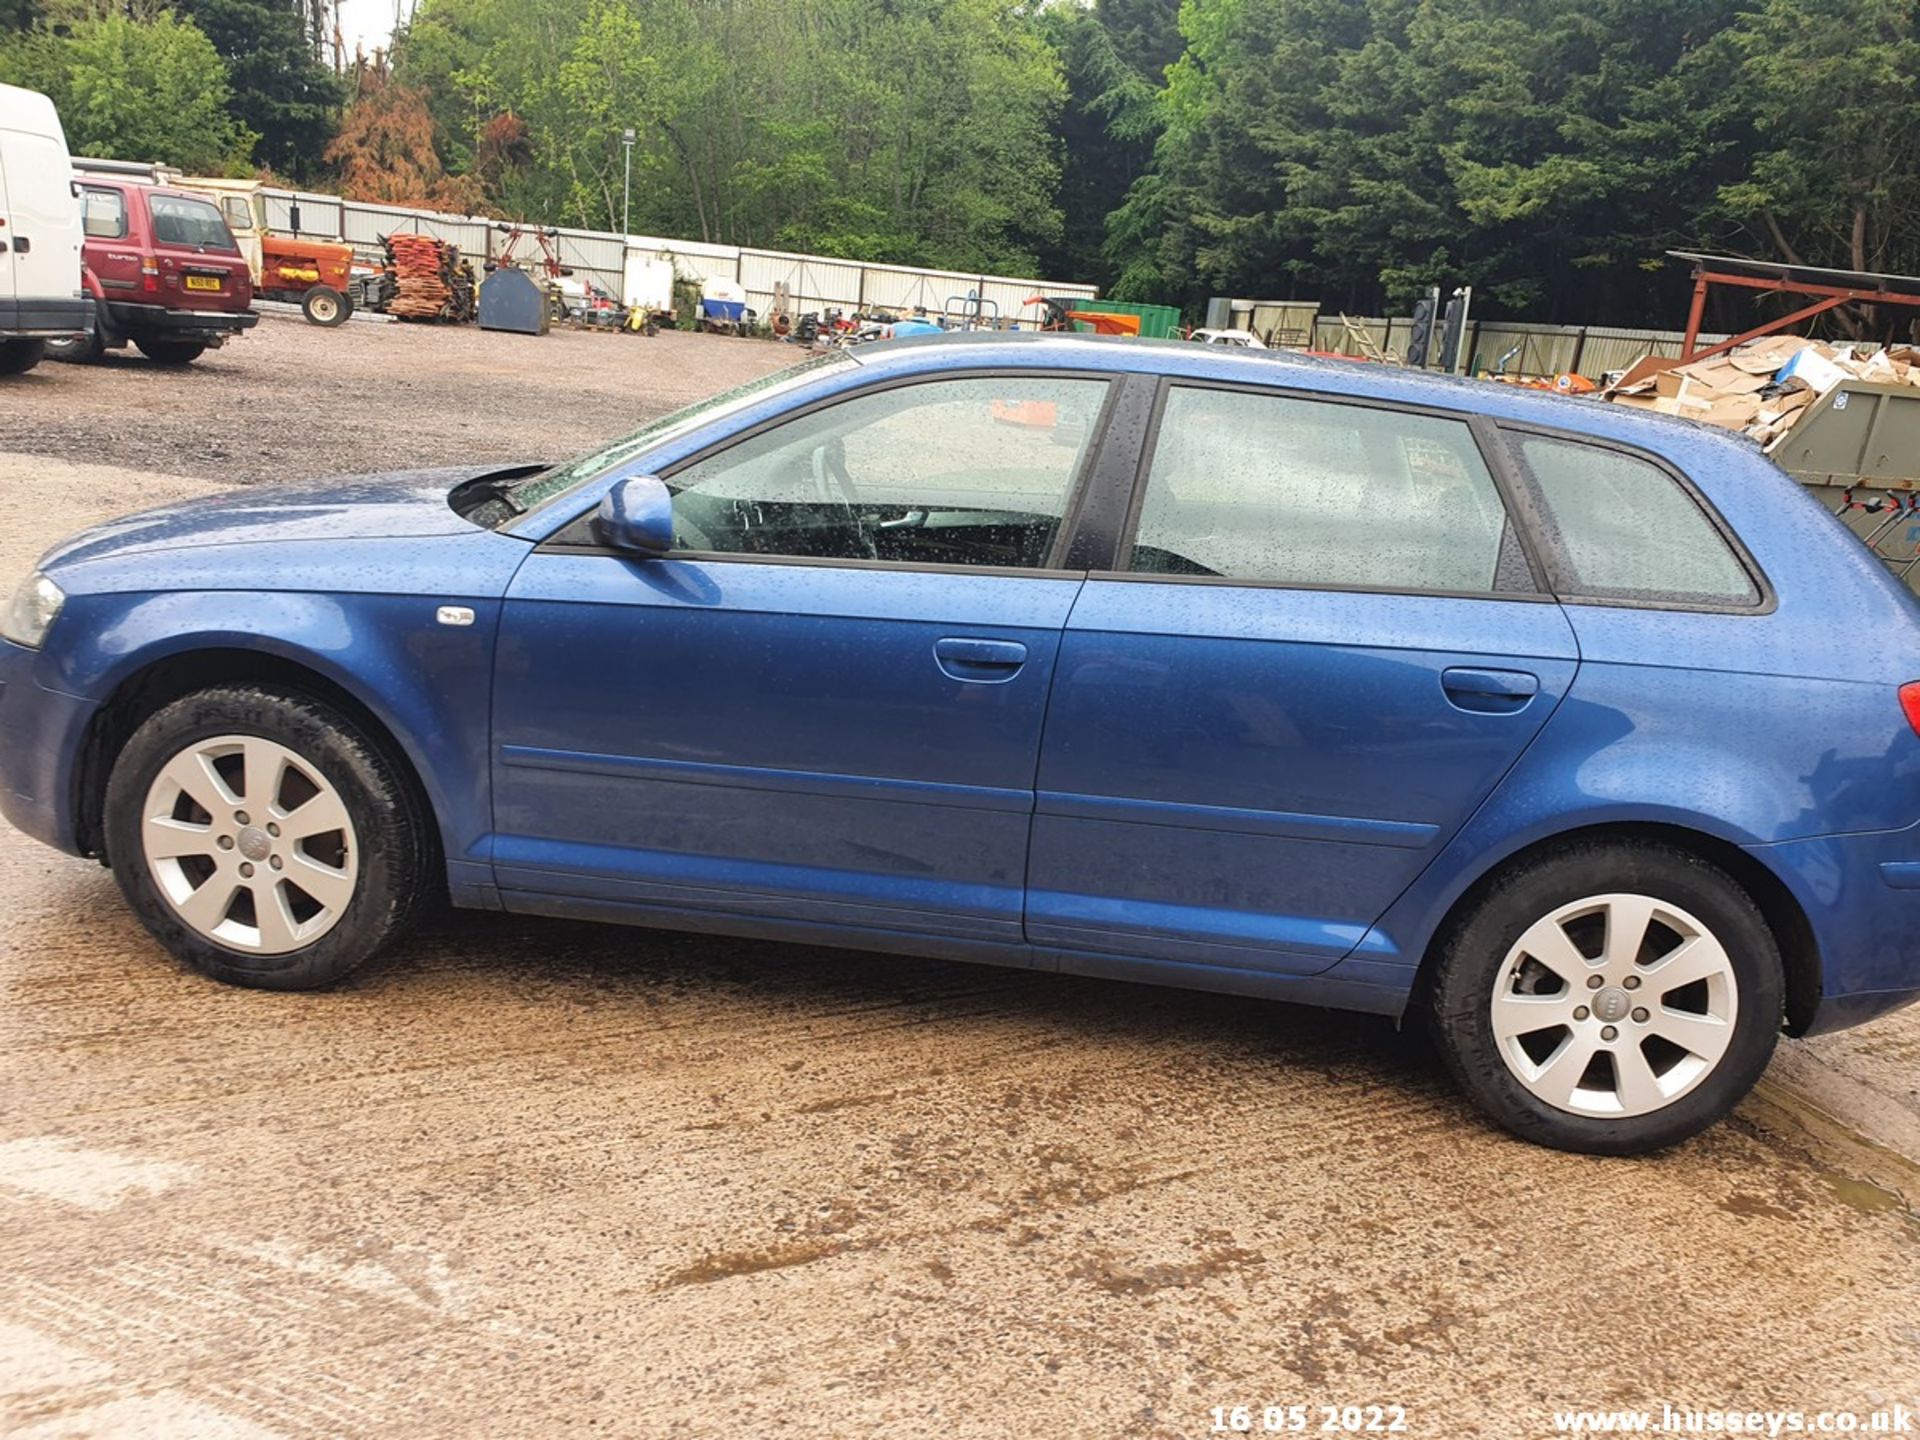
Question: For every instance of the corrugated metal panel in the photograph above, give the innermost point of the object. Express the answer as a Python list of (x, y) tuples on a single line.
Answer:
[(1536, 349), (364, 225), (589, 253), (814, 283), (1278, 322), (901, 290), (1330, 334), (319, 214), (1011, 297)]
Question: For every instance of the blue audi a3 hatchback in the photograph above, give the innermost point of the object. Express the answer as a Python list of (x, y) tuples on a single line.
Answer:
[(1583, 734)]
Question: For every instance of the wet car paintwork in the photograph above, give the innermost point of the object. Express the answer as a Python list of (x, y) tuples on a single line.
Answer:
[(616, 777)]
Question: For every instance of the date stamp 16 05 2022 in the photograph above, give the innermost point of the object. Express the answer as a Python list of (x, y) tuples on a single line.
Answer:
[(1309, 1419)]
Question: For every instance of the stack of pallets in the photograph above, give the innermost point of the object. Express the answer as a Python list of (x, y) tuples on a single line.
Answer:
[(428, 279)]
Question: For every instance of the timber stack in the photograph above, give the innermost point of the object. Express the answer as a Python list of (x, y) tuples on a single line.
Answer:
[(431, 282)]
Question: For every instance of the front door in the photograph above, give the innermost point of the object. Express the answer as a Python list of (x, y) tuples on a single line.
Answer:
[(825, 704), (1321, 651)]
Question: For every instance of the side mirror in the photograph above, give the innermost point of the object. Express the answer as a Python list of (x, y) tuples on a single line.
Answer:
[(636, 516)]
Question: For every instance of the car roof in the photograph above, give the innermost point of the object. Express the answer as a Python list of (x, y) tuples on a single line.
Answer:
[(1688, 441)]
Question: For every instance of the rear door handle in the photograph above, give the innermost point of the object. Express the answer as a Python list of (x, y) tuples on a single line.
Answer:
[(981, 661), (1489, 692)]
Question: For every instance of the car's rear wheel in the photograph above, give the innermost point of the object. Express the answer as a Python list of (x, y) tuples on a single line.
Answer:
[(1609, 997), (264, 839), (171, 352), (19, 356)]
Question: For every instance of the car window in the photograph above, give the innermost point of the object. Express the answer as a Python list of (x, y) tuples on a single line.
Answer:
[(103, 214), (967, 471), (178, 220), (1308, 492), (239, 217), (1623, 528)]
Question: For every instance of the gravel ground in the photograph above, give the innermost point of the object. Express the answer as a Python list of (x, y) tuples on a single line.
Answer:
[(538, 1179), (289, 401)]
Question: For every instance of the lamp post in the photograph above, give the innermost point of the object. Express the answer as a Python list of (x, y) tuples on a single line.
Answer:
[(626, 180)]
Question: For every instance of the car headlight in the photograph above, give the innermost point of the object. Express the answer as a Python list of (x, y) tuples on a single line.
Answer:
[(34, 606)]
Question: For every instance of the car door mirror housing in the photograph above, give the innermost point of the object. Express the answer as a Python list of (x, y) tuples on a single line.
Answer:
[(636, 516)]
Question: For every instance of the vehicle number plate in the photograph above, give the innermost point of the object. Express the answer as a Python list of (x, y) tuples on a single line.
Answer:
[(202, 282)]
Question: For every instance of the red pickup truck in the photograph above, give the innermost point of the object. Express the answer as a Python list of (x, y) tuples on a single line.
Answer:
[(164, 273)]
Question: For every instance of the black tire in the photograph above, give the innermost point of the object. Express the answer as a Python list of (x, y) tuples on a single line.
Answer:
[(19, 356), (1472, 960), (324, 305), (170, 352), (395, 880), (81, 350)]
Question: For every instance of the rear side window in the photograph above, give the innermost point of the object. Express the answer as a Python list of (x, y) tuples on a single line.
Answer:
[(1303, 492), (1625, 529), (103, 214), (180, 221)]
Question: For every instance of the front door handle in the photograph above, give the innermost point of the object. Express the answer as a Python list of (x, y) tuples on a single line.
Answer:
[(1489, 692), (980, 661)]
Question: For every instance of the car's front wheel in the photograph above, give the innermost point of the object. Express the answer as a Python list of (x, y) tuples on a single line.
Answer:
[(264, 839), (1610, 997)]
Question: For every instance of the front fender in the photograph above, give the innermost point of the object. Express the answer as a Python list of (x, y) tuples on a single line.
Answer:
[(427, 683)]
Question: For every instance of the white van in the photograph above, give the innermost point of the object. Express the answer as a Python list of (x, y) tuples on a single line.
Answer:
[(41, 294)]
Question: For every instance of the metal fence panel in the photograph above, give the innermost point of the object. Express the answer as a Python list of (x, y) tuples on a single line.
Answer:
[(319, 214), (813, 283), (589, 253), (900, 290), (1536, 349), (1279, 322), (1542, 350)]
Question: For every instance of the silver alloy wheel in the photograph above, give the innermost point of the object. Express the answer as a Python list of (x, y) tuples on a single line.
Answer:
[(250, 844), (1615, 1005)]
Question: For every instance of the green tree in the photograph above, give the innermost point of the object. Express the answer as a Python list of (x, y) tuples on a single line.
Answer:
[(132, 89), (918, 130), (1359, 152), (281, 91), (1830, 94), (1113, 55)]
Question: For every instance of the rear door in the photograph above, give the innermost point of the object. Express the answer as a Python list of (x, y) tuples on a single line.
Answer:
[(112, 249), (40, 235), (201, 267), (6, 235), (1323, 646)]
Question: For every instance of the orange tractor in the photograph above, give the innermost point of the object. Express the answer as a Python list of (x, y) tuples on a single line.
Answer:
[(314, 274)]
